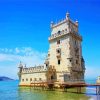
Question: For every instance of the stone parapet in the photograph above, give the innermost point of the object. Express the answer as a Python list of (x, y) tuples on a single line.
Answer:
[(63, 33), (34, 69), (56, 35)]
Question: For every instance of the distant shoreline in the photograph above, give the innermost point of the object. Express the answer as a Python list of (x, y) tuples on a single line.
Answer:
[(4, 78)]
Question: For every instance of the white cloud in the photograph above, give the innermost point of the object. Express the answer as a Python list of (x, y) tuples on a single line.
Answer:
[(9, 59), (28, 51), (17, 50), (5, 57), (27, 55)]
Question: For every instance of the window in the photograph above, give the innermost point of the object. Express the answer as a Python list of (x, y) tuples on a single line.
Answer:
[(58, 50), (58, 62), (48, 55), (58, 42), (76, 61), (40, 79), (22, 80), (35, 79), (76, 42), (46, 65), (70, 60), (52, 77), (26, 79), (30, 79), (59, 32)]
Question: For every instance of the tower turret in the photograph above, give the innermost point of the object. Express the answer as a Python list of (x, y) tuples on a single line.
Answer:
[(20, 70), (51, 25), (67, 16), (76, 22)]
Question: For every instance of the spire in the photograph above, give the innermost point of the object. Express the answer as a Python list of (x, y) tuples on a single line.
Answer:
[(51, 24), (25, 66), (67, 15), (76, 22), (20, 65)]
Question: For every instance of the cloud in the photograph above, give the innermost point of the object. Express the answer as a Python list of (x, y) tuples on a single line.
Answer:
[(28, 51), (17, 50), (10, 58), (25, 54), (5, 57)]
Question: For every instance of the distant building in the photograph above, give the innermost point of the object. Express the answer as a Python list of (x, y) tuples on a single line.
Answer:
[(64, 60), (98, 80)]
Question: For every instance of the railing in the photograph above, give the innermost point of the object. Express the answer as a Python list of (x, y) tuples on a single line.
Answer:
[(75, 80), (54, 80), (57, 35)]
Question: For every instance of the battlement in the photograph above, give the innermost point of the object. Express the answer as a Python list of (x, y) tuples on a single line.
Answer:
[(53, 25), (65, 20), (58, 23), (34, 69), (62, 33)]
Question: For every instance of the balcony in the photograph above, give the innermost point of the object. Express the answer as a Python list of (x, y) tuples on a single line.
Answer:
[(56, 35)]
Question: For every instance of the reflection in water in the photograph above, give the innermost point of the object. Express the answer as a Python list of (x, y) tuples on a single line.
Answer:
[(31, 94)]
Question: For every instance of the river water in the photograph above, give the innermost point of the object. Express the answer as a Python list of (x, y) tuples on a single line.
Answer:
[(9, 90)]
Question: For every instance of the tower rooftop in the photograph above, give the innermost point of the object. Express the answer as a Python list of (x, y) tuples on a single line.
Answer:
[(64, 20), (64, 27)]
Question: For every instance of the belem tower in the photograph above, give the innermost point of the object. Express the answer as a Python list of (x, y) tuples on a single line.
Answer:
[(64, 61)]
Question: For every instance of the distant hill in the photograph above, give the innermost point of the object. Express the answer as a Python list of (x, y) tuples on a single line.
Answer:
[(3, 78)]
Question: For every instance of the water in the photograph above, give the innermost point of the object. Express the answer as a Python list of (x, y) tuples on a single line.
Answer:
[(9, 90)]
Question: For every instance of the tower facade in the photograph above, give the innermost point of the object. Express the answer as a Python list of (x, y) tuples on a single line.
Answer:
[(65, 51)]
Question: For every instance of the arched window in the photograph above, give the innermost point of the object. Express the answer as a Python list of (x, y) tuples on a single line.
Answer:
[(30, 79), (35, 79), (59, 32), (40, 79), (22, 80), (58, 62), (58, 50), (58, 42)]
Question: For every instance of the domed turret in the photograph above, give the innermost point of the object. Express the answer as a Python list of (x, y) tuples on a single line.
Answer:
[(20, 70), (20, 65), (67, 15)]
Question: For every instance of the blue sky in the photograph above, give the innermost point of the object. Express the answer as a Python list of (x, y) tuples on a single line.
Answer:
[(25, 28)]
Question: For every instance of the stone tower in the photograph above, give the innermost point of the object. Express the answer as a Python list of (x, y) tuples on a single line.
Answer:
[(65, 51)]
